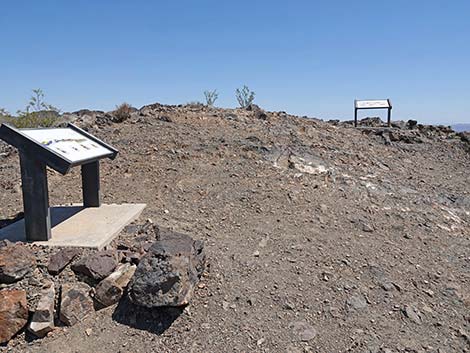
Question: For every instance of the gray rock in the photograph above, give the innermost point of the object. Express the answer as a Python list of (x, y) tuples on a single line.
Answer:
[(412, 313), (43, 317), (16, 261), (76, 303), (97, 266), (356, 302), (302, 330), (111, 289), (167, 274), (61, 259), (13, 313)]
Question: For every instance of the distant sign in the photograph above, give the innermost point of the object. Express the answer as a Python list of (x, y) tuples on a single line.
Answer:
[(68, 143), (373, 104)]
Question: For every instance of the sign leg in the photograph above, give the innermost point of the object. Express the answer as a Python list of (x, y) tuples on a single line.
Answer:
[(355, 117), (91, 184), (389, 117), (37, 217)]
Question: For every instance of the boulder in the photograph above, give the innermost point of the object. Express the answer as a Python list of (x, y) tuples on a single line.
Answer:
[(111, 289), (43, 317), (13, 313), (97, 266), (168, 273), (16, 261), (76, 303), (61, 259)]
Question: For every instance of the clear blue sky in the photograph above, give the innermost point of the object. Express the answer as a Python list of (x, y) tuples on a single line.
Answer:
[(305, 57)]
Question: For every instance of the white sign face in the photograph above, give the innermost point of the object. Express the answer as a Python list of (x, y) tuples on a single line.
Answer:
[(68, 143), (376, 103)]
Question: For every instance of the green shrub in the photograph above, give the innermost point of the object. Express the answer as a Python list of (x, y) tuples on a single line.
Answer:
[(245, 97), (37, 104), (211, 97), (35, 119), (37, 113)]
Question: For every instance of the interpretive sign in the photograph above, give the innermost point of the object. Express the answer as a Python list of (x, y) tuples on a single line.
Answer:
[(373, 104), (68, 143), (59, 149)]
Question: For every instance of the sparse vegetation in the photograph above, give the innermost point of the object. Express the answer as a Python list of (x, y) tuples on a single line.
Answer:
[(211, 97), (37, 103), (4, 112), (37, 113), (122, 112), (245, 97), (4, 116)]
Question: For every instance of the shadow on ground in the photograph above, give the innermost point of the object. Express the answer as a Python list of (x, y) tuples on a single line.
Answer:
[(155, 320), (7, 221)]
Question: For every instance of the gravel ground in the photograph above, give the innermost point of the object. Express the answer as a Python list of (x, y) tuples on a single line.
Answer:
[(319, 238)]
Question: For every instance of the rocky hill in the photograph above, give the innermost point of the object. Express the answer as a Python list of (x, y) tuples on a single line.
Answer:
[(320, 237)]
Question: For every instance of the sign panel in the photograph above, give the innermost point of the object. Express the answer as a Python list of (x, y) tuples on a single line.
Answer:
[(68, 143), (371, 104)]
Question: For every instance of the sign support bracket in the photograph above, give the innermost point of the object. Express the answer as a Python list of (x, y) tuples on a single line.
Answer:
[(37, 217), (91, 184)]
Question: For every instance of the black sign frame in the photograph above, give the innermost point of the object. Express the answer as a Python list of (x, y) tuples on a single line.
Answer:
[(389, 110), (34, 158)]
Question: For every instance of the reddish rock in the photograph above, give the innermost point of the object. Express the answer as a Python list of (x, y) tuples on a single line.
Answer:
[(16, 261), (97, 266), (13, 313), (76, 303), (61, 259)]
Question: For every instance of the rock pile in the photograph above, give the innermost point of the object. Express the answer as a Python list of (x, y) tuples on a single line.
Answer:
[(78, 282)]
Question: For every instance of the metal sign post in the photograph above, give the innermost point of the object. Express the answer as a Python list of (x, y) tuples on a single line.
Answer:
[(374, 104), (60, 149)]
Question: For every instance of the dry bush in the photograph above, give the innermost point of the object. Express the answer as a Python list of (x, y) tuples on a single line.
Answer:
[(122, 112)]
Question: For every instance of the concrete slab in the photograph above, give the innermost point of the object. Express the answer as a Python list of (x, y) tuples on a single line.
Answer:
[(75, 226)]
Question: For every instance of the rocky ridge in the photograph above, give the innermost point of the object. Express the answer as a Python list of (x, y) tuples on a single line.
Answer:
[(319, 236)]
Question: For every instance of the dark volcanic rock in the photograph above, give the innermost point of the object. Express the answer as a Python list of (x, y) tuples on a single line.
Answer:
[(97, 266), (76, 303), (61, 259), (13, 313), (167, 274), (16, 261)]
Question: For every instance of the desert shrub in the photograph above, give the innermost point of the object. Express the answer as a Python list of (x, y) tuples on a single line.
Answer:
[(36, 103), (3, 113), (245, 97), (211, 97), (37, 113), (4, 116), (122, 112), (35, 119)]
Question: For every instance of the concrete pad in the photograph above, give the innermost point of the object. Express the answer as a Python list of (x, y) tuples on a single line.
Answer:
[(76, 226)]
